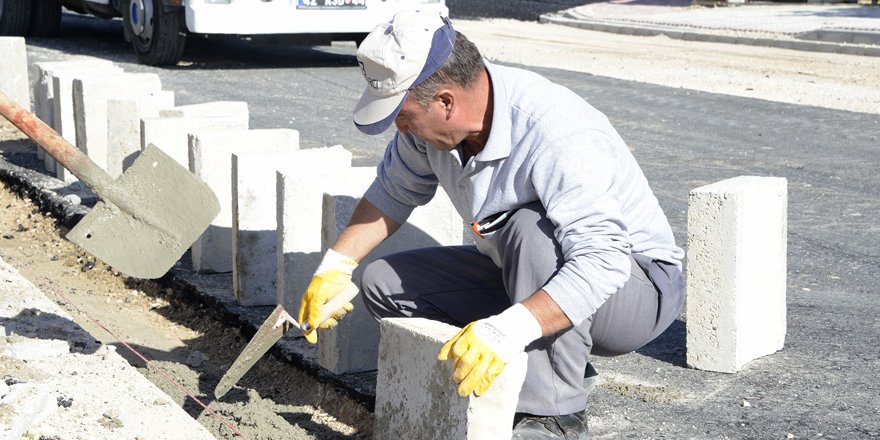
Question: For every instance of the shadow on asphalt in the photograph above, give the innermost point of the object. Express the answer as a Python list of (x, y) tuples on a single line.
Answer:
[(669, 346)]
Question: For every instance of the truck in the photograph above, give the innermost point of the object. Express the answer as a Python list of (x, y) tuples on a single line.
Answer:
[(158, 29)]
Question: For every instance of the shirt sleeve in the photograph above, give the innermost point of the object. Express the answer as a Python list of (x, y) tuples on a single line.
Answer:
[(577, 180), (404, 178)]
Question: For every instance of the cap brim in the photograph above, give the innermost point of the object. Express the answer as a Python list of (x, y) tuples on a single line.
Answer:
[(374, 115)]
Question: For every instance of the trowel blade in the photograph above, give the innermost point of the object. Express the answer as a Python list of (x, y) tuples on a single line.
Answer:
[(267, 336), (262, 341)]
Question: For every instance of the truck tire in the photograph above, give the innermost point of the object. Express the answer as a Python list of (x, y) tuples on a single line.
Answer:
[(45, 18), (157, 33), (15, 17)]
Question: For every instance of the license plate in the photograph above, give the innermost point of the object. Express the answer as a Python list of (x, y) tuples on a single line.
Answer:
[(331, 4)]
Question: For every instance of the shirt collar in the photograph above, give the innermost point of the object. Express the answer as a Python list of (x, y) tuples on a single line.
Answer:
[(498, 145)]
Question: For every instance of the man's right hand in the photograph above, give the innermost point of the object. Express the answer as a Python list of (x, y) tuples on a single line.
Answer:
[(331, 278)]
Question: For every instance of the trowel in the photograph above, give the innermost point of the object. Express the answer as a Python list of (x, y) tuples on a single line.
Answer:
[(146, 219), (267, 336)]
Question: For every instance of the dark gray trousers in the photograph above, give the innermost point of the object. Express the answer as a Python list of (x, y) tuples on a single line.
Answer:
[(458, 285)]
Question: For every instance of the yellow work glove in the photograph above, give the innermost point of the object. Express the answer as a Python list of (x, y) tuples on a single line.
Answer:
[(482, 348), (331, 278)]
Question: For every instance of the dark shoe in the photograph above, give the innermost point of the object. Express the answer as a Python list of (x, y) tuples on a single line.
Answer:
[(567, 427)]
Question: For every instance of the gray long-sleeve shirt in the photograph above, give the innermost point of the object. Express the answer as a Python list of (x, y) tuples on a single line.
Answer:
[(546, 144)]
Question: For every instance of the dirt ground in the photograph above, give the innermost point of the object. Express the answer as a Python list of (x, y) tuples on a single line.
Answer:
[(283, 403), (273, 401)]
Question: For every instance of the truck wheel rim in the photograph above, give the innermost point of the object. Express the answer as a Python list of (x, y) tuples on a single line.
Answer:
[(141, 18)]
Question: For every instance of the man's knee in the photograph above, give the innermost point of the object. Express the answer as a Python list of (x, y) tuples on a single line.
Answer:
[(373, 291)]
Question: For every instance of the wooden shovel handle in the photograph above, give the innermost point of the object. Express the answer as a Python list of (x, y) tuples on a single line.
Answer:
[(56, 146)]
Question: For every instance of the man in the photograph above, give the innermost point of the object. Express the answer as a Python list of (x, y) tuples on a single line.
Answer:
[(573, 254)]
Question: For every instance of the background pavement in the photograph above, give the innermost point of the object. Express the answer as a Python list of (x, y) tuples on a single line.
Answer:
[(843, 28)]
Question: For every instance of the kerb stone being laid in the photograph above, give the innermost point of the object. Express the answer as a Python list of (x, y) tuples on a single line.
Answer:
[(14, 70), (417, 399), (64, 120), (44, 76), (300, 190), (736, 273), (90, 96), (124, 127), (170, 131), (171, 135), (208, 110), (254, 227), (352, 345), (43, 88), (210, 159)]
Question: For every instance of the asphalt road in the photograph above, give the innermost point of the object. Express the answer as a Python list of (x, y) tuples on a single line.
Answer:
[(824, 382)]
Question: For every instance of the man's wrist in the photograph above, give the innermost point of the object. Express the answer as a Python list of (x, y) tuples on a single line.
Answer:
[(510, 331), (335, 261)]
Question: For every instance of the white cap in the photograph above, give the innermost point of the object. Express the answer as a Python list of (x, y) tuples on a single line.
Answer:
[(395, 57)]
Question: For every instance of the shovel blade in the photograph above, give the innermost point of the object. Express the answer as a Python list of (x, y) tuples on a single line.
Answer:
[(160, 210), (132, 247)]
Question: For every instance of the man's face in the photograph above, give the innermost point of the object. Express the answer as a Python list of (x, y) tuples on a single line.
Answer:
[(428, 123)]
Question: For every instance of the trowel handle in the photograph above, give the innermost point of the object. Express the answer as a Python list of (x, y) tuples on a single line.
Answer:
[(52, 143), (335, 303)]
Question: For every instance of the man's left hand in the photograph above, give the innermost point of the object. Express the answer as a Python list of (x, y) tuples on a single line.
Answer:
[(476, 363), (482, 348)]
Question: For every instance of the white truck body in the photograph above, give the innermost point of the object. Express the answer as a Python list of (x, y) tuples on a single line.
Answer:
[(157, 29), (260, 17)]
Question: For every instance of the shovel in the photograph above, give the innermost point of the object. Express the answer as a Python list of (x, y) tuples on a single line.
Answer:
[(146, 219)]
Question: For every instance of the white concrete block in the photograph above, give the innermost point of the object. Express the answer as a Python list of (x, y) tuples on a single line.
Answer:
[(124, 127), (352, 346), (300, 191), (210, 159), (90, 96), (62, 95), (43, 74), (736, 273), (254, 226), (417, 399), (64, 121), (14, 70), (208, 110), (42, 81), (171, 134)]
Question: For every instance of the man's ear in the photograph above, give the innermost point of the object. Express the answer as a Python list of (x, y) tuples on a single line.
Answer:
[(447, 101)]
